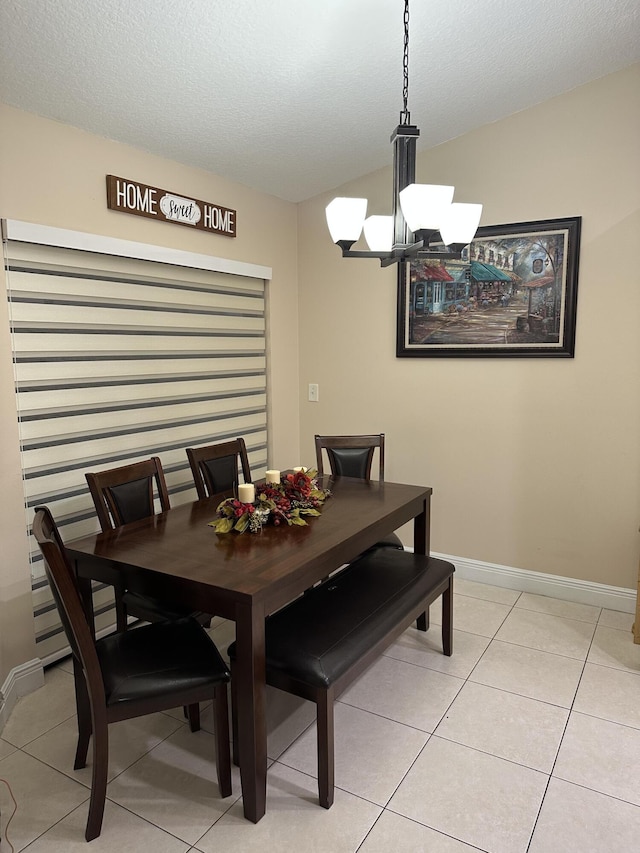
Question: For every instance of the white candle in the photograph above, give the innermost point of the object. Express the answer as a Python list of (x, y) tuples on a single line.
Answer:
[(297, 470), (272, 476), (246, 493)]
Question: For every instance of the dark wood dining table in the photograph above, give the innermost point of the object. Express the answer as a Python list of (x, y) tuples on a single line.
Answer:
[(177, 556)]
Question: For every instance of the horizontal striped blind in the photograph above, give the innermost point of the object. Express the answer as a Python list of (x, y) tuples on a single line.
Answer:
[(118, 359)]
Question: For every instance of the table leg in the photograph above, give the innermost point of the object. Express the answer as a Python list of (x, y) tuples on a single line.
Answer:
[(249, 671), (421, 529)]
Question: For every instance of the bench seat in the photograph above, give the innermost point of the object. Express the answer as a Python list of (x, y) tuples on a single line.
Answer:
[(318, 644)]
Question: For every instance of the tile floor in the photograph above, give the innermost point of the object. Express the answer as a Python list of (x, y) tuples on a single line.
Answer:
[(526, 740)]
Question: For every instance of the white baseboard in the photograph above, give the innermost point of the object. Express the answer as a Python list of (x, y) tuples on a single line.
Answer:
[(22, 679), (555, 586)]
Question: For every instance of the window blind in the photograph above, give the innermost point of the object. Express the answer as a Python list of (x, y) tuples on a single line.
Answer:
[(117, 359)]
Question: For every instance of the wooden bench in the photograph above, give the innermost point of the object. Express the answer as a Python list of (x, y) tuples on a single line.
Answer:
[(320, 643)]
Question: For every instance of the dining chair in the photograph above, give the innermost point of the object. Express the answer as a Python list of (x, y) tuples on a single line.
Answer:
[(130, 674), (215, 467), (352, 456), (123, 495)]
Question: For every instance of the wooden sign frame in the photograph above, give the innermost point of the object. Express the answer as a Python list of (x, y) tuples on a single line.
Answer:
[(127, 196)]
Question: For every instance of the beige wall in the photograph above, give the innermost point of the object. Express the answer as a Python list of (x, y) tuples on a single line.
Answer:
[(55, 175), (534, 462)]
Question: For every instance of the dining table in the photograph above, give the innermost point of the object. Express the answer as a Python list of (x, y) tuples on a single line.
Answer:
[(177, 556)]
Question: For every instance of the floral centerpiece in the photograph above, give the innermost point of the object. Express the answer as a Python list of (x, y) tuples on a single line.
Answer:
[(288, 502)]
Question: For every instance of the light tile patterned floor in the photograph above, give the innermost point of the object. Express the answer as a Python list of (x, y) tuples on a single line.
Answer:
[(527, 740)]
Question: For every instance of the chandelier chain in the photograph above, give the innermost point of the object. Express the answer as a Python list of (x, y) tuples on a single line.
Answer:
[(405, 116)]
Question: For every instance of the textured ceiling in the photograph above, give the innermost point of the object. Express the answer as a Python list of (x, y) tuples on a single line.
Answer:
[(294, 97)]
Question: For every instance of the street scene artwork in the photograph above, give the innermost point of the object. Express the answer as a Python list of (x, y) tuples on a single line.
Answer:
[(512, 293)]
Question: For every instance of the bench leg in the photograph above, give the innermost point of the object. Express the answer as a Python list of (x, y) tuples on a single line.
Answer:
[(447, 619), (422, 622), (193, 715), (326, 782)]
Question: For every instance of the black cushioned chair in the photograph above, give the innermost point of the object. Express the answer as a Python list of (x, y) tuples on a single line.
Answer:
[(352, 456), (319, 643), (215, 467), (130, 674), (123, 495)]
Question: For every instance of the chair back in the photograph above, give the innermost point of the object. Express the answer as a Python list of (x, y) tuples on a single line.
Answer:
[(350, 455), (215, 467), (125, 494), (66, 594)]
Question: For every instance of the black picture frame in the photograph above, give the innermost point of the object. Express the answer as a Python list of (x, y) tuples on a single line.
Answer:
[(492, 303)]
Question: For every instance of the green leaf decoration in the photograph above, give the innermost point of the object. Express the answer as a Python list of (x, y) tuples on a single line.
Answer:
[(222, 525), (242, 523), (225, 509), (295, 519)]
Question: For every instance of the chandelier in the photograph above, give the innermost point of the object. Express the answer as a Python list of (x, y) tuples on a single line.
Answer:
[(425, 223)]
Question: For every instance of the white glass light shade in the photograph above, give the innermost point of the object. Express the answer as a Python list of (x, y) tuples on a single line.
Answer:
[(423, 205), (345, 217), (460, 223), (378, 232)]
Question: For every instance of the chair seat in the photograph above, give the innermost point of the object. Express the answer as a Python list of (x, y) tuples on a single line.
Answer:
[(318, 637), (129, 661)]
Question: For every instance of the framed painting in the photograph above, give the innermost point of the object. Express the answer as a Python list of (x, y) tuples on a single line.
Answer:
[(513, 293)]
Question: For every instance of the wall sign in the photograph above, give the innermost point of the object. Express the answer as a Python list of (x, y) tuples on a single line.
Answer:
[(142, 200)]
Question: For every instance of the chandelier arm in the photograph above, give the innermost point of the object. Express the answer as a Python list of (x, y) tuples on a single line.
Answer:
[(357, 253), (416, 251), (420, 255)]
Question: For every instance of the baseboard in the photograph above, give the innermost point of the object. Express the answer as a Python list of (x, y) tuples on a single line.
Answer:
[(22, 679), (539, 583)]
